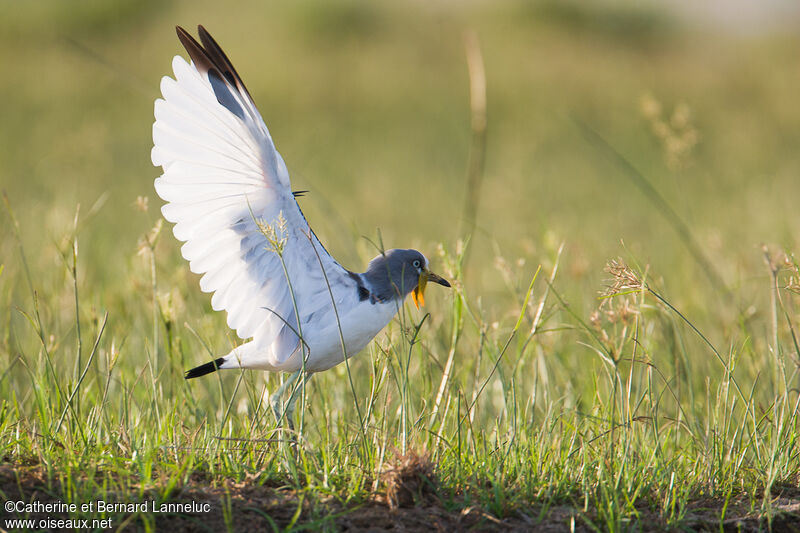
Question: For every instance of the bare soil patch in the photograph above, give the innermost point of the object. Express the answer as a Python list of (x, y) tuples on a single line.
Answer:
[(252, 507)]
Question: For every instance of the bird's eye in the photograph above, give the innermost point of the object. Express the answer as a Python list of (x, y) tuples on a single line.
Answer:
[(416, 263)]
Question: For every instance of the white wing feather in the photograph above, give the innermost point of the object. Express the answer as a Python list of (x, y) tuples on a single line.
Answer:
[(221, 174)]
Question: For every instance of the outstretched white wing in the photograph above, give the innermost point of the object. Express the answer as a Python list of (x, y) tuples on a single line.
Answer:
[(222, 178)]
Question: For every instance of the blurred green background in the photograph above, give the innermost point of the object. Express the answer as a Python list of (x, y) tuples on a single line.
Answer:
[(369, 105)]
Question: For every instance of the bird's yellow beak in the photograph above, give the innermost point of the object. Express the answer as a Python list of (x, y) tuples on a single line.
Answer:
[(419, 292)]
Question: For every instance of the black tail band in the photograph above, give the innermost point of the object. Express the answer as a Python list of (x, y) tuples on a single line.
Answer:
[(207, 368)]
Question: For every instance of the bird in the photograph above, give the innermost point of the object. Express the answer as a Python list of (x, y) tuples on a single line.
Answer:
[(228, 194)]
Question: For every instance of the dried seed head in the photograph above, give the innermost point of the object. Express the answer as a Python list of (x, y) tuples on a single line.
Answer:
[(793, 285), (449, 263), (676, 133), (649, 106), (147, 242), (790, 264), (142, 203), (681, 116), (502, 266), (627, 312), (594, 319), (623, 278), (170, 305)]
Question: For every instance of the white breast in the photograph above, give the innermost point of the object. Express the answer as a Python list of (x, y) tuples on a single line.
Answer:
[(359, 325)]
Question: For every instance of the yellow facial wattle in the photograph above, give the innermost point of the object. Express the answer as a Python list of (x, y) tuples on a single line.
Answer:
[(419, 291)]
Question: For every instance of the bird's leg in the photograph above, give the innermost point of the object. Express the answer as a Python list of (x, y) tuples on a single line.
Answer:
[(295, 393), (275, 400)]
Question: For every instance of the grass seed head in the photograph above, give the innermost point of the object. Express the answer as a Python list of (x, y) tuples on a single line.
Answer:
[(675, 132), (275, 233), (170, 306), (142, 203), (623, 278), (147, 242)]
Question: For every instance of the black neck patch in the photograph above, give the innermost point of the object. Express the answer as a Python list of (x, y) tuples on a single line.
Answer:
[(363, 292)]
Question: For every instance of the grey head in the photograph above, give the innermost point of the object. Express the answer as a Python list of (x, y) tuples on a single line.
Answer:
[(397, 272)]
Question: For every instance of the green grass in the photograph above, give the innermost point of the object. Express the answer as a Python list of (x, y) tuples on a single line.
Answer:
[(672, 402)]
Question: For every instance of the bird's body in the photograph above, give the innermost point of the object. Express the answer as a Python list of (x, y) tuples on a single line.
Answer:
[(323, 342), (228, 193)]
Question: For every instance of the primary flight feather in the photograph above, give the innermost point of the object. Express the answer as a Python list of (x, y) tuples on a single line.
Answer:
[(228, 193)]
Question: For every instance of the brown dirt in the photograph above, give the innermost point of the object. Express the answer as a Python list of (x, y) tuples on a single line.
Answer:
[(258, 507)]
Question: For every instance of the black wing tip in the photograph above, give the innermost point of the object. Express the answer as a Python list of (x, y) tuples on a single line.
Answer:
[(181, 30), (204, 35), (185, 37), (207, 368), (196, 52), (208, 56)]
